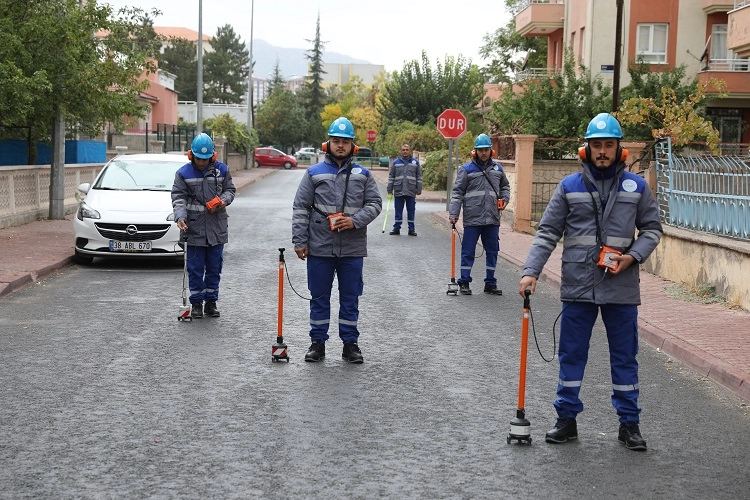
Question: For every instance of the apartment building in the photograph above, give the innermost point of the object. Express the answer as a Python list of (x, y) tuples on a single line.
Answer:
[(711, 38), (340, 74)]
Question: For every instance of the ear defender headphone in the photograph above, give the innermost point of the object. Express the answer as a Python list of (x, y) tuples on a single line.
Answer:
[(325, 148), (192, 157), (584, 153), (474, 153)]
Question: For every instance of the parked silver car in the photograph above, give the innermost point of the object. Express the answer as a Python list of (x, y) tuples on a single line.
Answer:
[(306, 154)]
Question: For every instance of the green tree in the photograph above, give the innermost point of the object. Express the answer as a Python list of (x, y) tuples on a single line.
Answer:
[(52, 65), (281, 119), (226, 68), (234, 131), (277, 79), (647, 84), (676, 118), (557, 107), (312, 93), (503, 48), (180, 58), (419, 93), (342, 100), (419, 137)]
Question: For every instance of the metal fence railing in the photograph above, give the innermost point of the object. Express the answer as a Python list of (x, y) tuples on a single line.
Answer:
[(535, 74), (522, 4), (710, 194), (541, 192), (174, 137)]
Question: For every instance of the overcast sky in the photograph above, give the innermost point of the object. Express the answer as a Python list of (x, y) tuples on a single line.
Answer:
[(386, 32)]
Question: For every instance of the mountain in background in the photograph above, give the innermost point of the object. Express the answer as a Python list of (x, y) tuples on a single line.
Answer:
[(292, 62)]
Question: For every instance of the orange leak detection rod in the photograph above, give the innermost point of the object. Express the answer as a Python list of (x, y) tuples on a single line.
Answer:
[(453, 286), (520, 428), (278, 350)]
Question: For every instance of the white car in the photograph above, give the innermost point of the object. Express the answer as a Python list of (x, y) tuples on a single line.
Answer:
[(127, 211), (306, 154)]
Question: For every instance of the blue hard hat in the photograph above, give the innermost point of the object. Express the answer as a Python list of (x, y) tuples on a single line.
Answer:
[(604, 126), (202, 147), (341, 127), (483, 141)]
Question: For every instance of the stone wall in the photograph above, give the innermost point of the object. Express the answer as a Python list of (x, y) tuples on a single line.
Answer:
[(24, 191), (698, 259)]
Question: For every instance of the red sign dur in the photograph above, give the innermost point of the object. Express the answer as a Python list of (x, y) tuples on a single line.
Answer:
[(451, 123)]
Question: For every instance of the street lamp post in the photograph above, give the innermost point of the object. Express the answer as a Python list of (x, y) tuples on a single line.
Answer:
[(250, 118), (199, 119), (250, 121)]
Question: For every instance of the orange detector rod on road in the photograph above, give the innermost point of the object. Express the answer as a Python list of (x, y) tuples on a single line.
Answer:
[(278, 350), (453, 286), (520, 428)]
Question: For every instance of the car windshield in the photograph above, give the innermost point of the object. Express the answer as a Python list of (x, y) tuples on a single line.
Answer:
[(134, 175)]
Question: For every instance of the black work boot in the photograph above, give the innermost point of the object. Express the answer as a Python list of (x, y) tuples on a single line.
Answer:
[(211, 309), (352, 353), (396, 232), (463, 288), (565, 429), (196, 309), (492, 290), (412, 233), (630, 436), (316, 352)]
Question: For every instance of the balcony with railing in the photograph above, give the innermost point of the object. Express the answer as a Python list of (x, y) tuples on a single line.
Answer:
[(738, 33), (714, 6), (536, 74), (735, 72), (540, 17)]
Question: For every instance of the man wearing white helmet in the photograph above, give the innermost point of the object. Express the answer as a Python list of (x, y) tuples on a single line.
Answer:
[(335, 202), (597, 212)]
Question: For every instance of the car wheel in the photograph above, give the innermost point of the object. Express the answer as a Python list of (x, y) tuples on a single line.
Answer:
[(287, 165), (257, 164), (84, 260)]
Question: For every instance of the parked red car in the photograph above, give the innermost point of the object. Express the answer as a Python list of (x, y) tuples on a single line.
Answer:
[(272, 157)]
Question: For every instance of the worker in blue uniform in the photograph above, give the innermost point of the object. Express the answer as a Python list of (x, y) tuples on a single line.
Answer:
[(597, 212), (405, 184), (483, 191), (335, 201), (202, 190)]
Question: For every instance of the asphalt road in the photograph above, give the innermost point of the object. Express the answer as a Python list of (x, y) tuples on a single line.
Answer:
[(106, 395)]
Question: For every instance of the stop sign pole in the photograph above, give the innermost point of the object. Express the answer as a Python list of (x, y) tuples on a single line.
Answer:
[(451, 123), (371, 135)]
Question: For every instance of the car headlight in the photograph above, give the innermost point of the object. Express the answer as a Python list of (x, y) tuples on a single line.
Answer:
[(170, 217), (86, 212)]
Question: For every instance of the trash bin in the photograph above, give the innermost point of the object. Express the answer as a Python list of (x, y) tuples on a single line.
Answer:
[(385, 161)]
